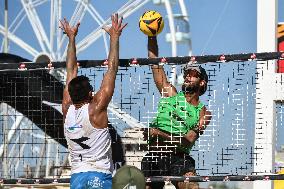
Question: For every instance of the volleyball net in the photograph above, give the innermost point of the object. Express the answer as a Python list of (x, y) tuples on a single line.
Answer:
[(32, 143)]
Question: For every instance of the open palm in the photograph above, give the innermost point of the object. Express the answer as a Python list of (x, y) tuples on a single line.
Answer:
[(116, 27), (67, 29)]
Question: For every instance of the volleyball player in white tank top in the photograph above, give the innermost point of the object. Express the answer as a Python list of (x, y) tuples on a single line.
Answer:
[(85, 115)]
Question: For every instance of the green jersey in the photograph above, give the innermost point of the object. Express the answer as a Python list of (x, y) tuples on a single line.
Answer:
[(177, 116)]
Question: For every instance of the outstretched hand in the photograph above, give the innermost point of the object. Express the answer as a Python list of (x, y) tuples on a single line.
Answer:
[(117, 26), (67, 29)]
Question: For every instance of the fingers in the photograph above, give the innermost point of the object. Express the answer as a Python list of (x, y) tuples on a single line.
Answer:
[(115, 18), (123, 26), (62, 25), (115, 21), (65, 20), (119, 22), (112, 20), (116, 26), (78, 24)]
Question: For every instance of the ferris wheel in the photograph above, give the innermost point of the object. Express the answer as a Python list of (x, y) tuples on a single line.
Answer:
[(49, 40), (49, 44)]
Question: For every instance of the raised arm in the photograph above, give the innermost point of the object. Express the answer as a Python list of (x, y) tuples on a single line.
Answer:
[(104, 95), (160, 78), (71, 61)]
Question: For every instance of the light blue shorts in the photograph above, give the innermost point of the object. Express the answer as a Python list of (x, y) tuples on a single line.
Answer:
[(91, 180)]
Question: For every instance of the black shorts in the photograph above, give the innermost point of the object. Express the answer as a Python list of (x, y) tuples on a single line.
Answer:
[(167, 164)]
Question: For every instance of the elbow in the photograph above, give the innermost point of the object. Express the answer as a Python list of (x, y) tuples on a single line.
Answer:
[(108, 91)]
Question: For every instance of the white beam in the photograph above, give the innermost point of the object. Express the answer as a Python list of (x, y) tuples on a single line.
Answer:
[(77, 16), (17, 21), (63, 165), (125, 11), (11, 132), (173, 38), (6, 27), (183, 10), (106, 44), (21, 152), (56, 106), (266, 25), (35, 29), (53, 5), (58, 30), (133, 7), (39, 2), (94, 13), (129, 120), (20, 42), (186, 18), (36, 25), (98, 18), (47, 168), (12, 151), (40, 160), (264, 141), (124, 116), (172, 27)]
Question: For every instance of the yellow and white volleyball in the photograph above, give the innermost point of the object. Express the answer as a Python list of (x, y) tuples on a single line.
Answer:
[(151, 23)]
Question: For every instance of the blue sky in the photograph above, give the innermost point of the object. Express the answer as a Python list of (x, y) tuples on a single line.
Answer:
[(220, 26)]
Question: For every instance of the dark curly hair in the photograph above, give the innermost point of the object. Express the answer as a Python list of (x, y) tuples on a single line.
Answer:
[(79, 89)]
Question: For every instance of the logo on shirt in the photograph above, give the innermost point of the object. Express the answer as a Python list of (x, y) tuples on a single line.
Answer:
[(74, 127), (80, 141)]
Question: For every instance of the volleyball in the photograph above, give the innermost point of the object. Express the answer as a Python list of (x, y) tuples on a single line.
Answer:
[(151, 23)]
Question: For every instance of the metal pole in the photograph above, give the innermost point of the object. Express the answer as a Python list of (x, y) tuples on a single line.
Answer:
[(5, 145), (6, 27)]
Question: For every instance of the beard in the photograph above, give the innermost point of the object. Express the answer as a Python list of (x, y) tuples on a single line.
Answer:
[(191, 88)]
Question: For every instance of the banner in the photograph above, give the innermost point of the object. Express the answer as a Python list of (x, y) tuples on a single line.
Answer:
[(280, 42)]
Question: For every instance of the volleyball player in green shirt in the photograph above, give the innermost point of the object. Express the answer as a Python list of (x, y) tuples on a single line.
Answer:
[(181, 118)]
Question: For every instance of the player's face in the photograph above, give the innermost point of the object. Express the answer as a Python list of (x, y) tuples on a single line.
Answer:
[(191, 81), (191, 77)]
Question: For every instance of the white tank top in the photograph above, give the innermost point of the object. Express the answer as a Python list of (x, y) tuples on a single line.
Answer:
[(89, 147)]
